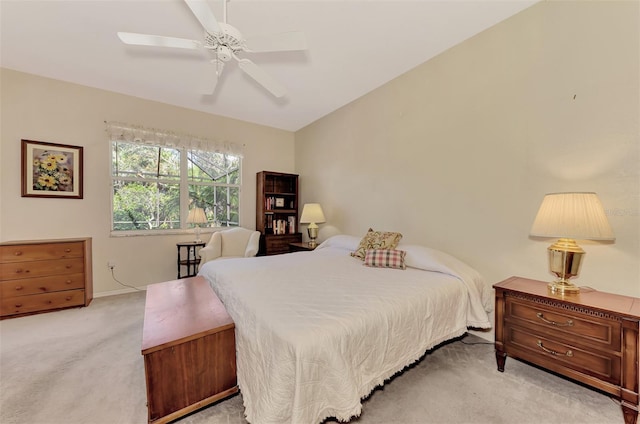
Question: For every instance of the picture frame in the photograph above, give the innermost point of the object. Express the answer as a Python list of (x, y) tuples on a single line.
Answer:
[(51, 170), (279, 202)]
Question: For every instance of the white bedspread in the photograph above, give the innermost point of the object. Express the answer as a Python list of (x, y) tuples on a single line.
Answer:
[(318, 331)]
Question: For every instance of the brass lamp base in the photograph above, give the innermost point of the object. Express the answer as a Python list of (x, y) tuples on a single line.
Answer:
[(565, 258), (312, 231), (559, 287)]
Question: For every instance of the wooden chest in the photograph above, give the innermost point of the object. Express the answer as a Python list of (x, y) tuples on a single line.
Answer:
[(44, 275), (188, 344), (591, 337)]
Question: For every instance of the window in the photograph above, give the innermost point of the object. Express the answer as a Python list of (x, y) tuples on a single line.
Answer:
[(155, 185)]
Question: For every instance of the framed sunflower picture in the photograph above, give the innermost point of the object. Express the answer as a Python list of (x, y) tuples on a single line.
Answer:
[(51, 170)]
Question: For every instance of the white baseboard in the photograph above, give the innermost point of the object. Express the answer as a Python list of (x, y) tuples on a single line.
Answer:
[(117, 292)]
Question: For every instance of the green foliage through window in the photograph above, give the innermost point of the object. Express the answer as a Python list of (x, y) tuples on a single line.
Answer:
[(154, 186)]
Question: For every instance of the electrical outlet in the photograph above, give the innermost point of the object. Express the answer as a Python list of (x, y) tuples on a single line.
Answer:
[(111, 264)]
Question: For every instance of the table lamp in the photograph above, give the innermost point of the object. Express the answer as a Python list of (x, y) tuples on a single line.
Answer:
[(569, 216), (312, 214), (197, 216)]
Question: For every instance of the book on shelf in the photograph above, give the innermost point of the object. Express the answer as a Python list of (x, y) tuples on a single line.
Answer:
[(292, 224), (269, 202), (279, 227)]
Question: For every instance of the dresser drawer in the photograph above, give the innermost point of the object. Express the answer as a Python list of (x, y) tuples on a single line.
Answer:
[(26, 287), (41, 302), (557, 355), (20, 270), (37, 252), (582, 329)]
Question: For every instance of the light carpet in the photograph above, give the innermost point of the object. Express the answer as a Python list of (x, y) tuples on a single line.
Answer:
[(84, 366)]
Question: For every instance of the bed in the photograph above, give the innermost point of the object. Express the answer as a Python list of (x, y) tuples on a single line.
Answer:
[(317, 331)]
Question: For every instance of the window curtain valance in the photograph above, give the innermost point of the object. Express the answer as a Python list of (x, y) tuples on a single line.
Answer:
[(119, 131)]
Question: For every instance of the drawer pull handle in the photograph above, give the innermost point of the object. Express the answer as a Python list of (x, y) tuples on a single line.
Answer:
[(67, 250), (18, 288), (18, 253), (569, 322), (568, 353)]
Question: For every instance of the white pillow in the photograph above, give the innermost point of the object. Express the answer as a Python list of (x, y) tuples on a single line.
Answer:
[(341, 241), (435, 260), (426, 258)]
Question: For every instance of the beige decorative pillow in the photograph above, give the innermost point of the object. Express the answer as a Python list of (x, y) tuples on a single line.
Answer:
[(376, 240)]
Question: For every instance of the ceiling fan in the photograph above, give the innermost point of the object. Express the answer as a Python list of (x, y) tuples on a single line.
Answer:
[(225, 43)]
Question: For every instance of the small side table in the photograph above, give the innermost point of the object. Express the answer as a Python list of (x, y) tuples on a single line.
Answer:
[(188, 258), (301, 247)]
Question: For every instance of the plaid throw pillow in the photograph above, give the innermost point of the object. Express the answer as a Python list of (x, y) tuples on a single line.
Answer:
[(376, 240), (385, 258)]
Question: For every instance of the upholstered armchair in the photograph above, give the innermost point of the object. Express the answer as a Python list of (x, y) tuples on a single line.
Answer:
[(236, 242)]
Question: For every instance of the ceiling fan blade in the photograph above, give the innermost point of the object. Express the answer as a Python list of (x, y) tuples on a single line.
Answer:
[(205, 15), (284, 41), (264, 79), (158, 41)]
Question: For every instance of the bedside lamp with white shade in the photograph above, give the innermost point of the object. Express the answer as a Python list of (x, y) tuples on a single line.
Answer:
[(312, 214), (570, 216), (197, 216)]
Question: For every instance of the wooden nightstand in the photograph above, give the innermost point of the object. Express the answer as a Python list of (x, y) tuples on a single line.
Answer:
[(591, 337), (301, 247)]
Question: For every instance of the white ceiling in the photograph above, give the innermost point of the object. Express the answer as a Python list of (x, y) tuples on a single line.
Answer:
[(354, 47)]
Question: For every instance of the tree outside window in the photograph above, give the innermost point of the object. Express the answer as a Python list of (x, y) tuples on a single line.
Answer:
[(154, 186)]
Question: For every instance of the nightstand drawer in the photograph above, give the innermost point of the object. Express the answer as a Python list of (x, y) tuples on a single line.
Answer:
[(569, 325), (552, 353)]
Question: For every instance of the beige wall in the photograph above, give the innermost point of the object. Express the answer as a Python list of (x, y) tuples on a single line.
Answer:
[(42, 109), (458, 153)]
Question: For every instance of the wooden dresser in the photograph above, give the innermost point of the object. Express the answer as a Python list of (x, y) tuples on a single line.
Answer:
[(591, 337), (189, 348), (44, 275)]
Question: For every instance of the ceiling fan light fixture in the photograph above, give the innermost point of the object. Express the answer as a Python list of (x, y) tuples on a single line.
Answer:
[(228, 36), (223, 53)]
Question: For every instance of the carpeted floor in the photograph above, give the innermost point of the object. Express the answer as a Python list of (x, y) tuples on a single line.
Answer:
[(83, 366)]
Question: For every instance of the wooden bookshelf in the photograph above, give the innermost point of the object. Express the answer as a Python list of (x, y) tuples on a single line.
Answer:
[(277, 211)]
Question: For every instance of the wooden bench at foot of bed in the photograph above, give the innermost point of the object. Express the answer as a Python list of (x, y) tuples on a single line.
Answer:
[(188, 344)]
